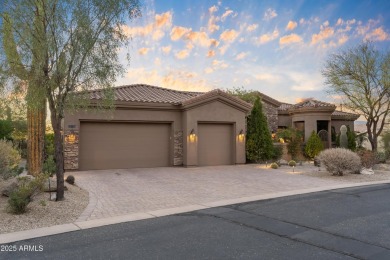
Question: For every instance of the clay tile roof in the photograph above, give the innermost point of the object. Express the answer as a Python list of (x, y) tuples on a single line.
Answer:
[(344, 115), (312, 103), (146, 93), (284, 107)]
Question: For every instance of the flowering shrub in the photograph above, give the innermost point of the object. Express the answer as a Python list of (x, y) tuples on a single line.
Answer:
[(340, 160)]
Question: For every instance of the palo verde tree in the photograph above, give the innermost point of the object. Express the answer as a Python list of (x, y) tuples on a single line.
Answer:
[(77, 41), (259, 145), (361, 75)]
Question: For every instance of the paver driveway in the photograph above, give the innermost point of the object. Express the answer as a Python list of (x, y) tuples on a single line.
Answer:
[(121, 192)]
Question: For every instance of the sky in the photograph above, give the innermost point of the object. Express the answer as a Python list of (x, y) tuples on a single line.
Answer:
[(276, 47)]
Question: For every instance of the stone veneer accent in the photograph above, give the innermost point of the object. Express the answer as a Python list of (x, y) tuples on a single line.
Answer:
[(178, 148), (271, 112), (71, 152)]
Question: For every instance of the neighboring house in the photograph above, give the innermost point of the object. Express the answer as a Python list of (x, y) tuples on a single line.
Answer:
[(154, 127), (307, 116)]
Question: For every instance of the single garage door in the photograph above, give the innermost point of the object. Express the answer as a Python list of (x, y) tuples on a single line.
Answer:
[(215, 144), (123, 145)]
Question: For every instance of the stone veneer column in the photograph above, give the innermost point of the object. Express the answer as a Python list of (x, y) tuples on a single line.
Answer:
[(178, 148), (71, 152)]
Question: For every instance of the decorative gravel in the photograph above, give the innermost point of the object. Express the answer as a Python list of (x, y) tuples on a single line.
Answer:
[(44, 213), (309, 169)]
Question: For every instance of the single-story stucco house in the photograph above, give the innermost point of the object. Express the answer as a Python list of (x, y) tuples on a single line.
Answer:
[(153, 127)]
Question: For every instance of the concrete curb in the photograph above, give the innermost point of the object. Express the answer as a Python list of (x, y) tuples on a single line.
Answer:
[(81, 225)]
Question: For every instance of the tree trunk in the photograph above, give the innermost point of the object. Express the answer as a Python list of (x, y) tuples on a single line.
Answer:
[(59, 157), (36, 127)]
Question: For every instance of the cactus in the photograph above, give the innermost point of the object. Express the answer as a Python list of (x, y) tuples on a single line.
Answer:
[(343, 137)]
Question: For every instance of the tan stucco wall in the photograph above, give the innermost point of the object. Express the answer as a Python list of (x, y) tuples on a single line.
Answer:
[(217, 112), (338, 123)]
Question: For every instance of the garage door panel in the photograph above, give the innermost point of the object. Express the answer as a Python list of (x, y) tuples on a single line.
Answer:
[(215, 145), (123, 145)]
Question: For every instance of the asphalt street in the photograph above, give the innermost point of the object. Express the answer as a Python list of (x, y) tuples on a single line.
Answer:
[(351, 223)]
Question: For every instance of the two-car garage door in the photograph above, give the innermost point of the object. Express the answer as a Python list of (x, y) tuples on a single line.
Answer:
[(123, 145)]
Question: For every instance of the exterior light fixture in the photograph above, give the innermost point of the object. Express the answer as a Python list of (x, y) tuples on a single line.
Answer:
[(192, 136), (241, 136), (71, 138)]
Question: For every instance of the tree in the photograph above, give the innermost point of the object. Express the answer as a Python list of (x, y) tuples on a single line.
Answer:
[(361, 75), (72, 45), (259, 145), (249, 96), (313, 145)]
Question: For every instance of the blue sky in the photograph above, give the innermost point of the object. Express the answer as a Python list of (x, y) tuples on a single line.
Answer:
[(276, 47)]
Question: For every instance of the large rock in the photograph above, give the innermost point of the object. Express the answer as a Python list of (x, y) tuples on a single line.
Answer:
[(368, 171), (10, 188)]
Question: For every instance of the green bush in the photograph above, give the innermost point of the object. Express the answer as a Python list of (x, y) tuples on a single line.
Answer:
[(259, 145), (49, 166), (9, 159), (6, 129), (386, 143), (294, 146), (49, 145), (274, 165), (313, 145), (27, 189), (292, 163), (351, 139), (278, 152)]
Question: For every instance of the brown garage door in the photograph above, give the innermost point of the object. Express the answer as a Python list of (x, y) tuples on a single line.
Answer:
[(215, 144), (123, 145)]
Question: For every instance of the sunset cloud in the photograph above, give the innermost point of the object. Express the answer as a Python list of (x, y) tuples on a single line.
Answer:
[(377, 34), (182, 54), (166, 49), (210, 53), (229, 35), (212, 22), (269, 14), (241, 55), (143, 51), (268, 37), (291, 25), (163, 20), (289, 39), (324, 33), (226, 14), (178, 32), (252, 27)]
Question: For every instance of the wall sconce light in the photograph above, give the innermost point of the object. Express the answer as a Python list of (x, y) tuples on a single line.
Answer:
[(241, 135), (71, 138), (192, 136)]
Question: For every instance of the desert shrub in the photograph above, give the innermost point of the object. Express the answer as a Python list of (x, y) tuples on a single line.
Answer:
[(278, 152), (274, 165), (292, 163), (293, 138), (70, 179), (9, 159), (49, 166), (313, 145), (368, 158), (380, 157), (27, 189), (340, 160), (386, 143), (351, 136), (6, 129)]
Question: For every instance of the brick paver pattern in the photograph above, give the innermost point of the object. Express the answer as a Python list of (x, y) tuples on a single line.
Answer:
[(127, 191)]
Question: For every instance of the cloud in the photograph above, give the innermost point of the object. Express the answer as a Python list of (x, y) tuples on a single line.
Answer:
[(289, 39), (241, 55), (212, 22), (377, 34), (160, 22), (178, 32), (223, 49), (219, 64), (268, 37), (324, 33), (143, 51), (269, 14), (343, 39), (208, 70), (182, 54), (157, 61), (226, 14), (166, 49), (229, 35), (210, 53), (291, 25), (268, 77), (252, 27), (174, 79)]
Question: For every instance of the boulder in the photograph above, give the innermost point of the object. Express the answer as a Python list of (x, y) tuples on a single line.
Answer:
[(367, 171), (9, 189)]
